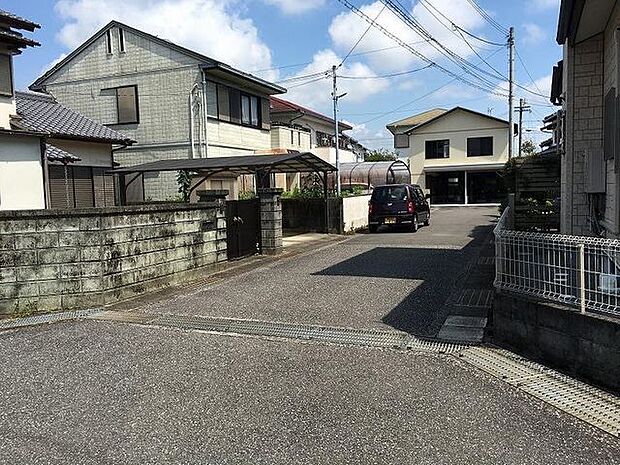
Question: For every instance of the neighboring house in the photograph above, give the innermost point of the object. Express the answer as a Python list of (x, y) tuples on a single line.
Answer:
[(553, 125), (163, 96), (586, 83), (295, 127), (321, 130), (50, 156), (454, 153)]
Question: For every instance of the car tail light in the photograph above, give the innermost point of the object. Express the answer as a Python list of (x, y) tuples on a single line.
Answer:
[(410, 207), (369, 207)]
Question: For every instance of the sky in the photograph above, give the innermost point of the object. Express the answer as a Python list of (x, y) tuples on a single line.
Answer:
[(294, 43)]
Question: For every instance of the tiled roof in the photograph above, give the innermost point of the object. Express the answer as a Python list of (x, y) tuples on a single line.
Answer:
[(40, 112), (53, 153), (17, 21), (279, 105)]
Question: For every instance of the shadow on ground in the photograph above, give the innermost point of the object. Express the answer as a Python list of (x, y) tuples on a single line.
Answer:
[(441, 272)]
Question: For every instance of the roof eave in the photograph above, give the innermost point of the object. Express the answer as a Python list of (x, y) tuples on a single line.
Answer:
[(271, 89), (18, 22), (568, 20)]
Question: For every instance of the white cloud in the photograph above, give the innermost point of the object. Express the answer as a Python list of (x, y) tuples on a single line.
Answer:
[(318, 93), (347, 27), (541, 5), (295, 7), (212, 27), (53, 63), (533, 34)]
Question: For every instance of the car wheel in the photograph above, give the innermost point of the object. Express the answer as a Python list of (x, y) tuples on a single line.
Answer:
[(414, 224), (372, 228), (428, 221)]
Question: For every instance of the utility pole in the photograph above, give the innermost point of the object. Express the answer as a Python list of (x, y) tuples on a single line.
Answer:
[(335, 98), (511, 77), (522, 108)]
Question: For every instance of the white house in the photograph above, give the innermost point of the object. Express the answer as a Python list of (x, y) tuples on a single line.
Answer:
[(50, 156), (454, 153)]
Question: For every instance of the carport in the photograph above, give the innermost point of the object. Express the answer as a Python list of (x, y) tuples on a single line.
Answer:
[(254, 224)]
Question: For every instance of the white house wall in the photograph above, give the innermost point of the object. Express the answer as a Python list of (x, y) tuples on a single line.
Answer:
[(21, 173), (457, 127), (90, 153)]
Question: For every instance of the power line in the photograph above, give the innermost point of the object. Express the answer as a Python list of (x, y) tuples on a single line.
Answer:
[(527, 71), (487, 17), (382, 76), (362, 36)]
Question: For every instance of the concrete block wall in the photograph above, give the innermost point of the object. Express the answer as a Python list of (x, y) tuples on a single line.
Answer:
[(270, 220), (55, 260)]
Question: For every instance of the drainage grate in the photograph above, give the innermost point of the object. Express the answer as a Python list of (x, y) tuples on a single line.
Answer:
[(482, 298), (326, 334), (486, 260), (46, 318), (581, 400)]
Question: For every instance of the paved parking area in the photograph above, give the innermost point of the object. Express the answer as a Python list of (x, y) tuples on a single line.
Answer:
[(93, 392), (394, 279)]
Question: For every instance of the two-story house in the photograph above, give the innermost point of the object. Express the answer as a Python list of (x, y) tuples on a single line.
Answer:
[(455, 153), (50, 156), (175, 102)]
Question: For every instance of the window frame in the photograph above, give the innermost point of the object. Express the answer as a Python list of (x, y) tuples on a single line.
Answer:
[(11, 81), (435, 141), (401, 136), (137, 104), (122, 48), (108, 42), (480, 146)]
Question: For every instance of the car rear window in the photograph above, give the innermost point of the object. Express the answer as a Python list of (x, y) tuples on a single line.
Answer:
[(389, 194)]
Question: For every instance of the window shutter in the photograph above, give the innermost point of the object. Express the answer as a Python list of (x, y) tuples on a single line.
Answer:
[(83, 186), (6, 79), (59, 188), (235, 105), (212, 99), (401, 141), (265, 114), (223, 103), (609, 125)]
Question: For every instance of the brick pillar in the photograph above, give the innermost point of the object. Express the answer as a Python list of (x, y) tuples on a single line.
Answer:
[(270, 220)]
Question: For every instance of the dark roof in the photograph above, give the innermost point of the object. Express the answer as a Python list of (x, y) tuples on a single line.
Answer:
[(207, 63), (15, 38), (442, 115), (278, 105), (41, 112), (293, 162), (17, 22), (570, 13), (53, 153)]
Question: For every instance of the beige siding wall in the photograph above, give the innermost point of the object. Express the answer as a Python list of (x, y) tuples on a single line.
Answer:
[(21, 173), (91, 154), (457, 127), (7, 108), (281, 137)]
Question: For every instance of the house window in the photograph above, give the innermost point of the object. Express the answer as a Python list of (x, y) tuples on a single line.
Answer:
[(401, 141), (249, 110), (292, 137), (127, 105), (121, 40), (108, 41), (6, 75), (479, 146), (212, 99), (299, 138), (437, 149)]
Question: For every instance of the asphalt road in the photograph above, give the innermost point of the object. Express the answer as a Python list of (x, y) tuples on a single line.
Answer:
[(94, 392), (394, 279)]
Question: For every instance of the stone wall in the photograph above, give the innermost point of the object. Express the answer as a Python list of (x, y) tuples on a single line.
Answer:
[(56, 260)]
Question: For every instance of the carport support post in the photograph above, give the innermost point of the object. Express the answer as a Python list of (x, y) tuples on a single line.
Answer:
[(270, 220)]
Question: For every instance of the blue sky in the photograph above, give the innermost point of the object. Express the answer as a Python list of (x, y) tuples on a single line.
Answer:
[(286, 40)]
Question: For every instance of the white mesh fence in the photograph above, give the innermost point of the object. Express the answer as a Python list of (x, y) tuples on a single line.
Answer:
[(576, 270)]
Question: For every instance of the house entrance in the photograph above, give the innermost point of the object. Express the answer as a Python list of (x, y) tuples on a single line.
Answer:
[(242, 228)]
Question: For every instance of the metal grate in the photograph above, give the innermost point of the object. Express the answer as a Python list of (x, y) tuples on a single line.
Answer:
[(581, 400), (46, 318), (326, 334), (482, 298)]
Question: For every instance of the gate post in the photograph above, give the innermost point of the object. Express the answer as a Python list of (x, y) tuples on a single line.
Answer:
[(270, 220)]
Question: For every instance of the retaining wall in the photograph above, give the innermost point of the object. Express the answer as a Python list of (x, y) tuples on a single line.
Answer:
[(57, 260), (582, 345)]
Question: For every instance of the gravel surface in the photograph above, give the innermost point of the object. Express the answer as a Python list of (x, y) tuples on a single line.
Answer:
[(394, 279), (93, 392)]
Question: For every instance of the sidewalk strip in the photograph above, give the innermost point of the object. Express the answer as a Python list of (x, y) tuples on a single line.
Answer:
[(46, 318)]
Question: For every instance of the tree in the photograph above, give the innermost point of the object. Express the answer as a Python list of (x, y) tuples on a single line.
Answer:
[(528, 148), (381, 155), (184, 180)]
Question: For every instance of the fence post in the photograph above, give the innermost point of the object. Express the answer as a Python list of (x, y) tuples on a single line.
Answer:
[(582, 277)]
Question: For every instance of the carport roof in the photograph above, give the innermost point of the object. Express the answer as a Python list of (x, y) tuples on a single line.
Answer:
[(293, 162)]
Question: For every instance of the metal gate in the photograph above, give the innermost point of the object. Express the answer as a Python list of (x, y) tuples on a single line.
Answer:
[(242, 228)]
